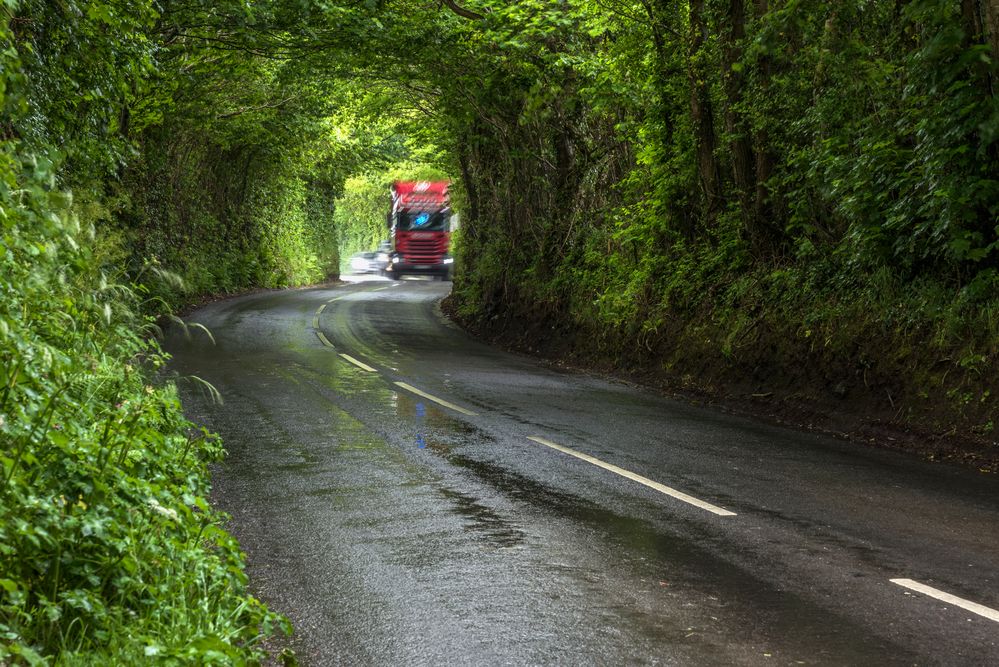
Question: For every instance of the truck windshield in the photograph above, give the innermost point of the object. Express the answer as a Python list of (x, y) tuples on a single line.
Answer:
[(422, 221)]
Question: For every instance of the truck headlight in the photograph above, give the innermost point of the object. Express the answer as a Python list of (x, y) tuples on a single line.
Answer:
[(449, 260)]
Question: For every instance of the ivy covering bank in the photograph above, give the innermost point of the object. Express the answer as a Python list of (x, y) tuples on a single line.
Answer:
[(796, 200)]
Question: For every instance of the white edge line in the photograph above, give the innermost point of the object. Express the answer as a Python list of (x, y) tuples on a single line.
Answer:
[(323, 339), (360, 364), (661, 488), (967, 605), (439, 401)]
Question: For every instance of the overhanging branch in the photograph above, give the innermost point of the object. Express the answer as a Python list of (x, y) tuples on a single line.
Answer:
[(260, 107), (461, 11)]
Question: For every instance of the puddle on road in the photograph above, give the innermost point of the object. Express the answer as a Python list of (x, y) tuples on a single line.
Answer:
[(435, 429), (690, 571), (306, 458), (483, 520), (359, 445), (415, 425)]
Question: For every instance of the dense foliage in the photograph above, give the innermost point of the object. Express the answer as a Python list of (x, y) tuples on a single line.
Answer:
[(795, 195), (109, 552)]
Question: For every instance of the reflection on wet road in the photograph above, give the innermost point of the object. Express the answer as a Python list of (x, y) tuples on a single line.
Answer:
[(393, 485)]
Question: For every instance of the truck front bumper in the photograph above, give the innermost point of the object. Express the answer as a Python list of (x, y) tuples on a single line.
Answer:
[(403, 268)]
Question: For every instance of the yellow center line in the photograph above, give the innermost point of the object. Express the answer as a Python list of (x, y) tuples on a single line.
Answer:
[(967, 605), (661, 488), (439, 401), (337, 298), (359, 364)]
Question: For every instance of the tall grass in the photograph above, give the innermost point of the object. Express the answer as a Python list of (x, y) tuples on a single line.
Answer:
[(109, 553)]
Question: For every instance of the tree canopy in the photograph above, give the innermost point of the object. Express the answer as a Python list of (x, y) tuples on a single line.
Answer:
[(754, 182)]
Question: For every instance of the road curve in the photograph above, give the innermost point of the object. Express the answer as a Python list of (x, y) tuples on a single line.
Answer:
[(408, 495)]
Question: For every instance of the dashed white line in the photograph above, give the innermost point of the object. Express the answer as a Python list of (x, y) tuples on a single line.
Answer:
[(315, 325), (967, 605), (661, 488), (323, 339), (439, 401), (379, 289), (358, 363), (315, 318)]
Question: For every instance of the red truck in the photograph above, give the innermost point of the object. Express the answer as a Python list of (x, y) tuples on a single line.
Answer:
[(419, 223)]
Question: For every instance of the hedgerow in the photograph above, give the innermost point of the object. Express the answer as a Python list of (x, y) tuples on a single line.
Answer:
[(109, 551)]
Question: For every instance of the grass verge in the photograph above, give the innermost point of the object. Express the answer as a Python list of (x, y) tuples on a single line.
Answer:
[(109, 551)]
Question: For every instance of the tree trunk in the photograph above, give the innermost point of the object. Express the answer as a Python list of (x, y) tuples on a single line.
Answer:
[(762, 209), (981, 22), (740, 148), (702, 116), (657, 14), (472, 215), (990, 19)]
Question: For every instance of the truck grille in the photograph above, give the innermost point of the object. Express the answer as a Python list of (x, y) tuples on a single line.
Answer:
[(424, 251)]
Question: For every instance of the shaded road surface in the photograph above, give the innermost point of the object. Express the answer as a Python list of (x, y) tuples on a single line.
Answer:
[(394, 529)]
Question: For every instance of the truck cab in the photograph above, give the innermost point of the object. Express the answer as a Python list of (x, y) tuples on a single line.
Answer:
[(419, 222)]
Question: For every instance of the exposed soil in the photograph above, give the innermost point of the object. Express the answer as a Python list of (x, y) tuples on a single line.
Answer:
[(773, 381)]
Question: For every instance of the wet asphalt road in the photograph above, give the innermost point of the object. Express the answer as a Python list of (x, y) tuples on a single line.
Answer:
[(394, 530)]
